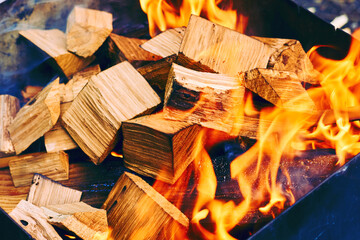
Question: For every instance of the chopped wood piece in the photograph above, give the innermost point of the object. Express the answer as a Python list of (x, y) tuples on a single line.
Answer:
[(36, 118), (86, 30), (114, 95), (157, 147), (53, 165), (53, 42), (281, 88), (34, 221), (209, 99), (9, 106), (45, 191), (166, 43), (136, 211), (207, 46), (30, 91), (85, 221), (157, 72), (9, 202)]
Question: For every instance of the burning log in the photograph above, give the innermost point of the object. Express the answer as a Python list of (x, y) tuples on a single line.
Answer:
[(157, 147), (53, 42), (166, 43), (86, 30), (9, 106), (36, 118), (85, 221), (53, 165), (34, 221), (114, 95), (136, 211), (45, 191)]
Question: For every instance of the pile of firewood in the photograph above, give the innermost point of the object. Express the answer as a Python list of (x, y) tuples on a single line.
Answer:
[(198, 75)]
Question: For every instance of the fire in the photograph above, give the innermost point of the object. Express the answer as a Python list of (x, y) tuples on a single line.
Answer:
[(163, 14)]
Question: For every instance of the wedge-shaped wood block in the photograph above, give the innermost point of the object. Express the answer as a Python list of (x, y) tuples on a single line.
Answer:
[(37, 117), (86, 30), (45, 191), (136, 211), (157, 147), (114, 95), (9, 106), (52, 165), (53, 42)]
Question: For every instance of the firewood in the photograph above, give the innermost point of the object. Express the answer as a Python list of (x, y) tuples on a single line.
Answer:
[(157, 72), (36, 118), (136, 211), (34, 221), (45, 191), (9, 106), (30, 91), (211, 100), (53, 42), (53, 165), (207, 46), (114, 95), (86, 30), (281, 88), (166, 43), (157, 147), (85, 221)]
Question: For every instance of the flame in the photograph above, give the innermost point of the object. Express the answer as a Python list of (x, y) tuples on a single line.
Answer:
[(163, 14)]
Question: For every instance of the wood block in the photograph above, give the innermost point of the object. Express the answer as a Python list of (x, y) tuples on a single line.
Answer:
[(45, 191), (85, 221), (136, 211), (157, 147), (166, 43), (53, 42), (114, 95), (86, 30), (209, 99), (36, 118), (9, 106), (34, 221), (207, 46), (52, 165)]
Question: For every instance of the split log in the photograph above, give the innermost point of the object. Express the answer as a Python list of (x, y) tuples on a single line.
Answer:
[(114, 95), (45, 191), (86, 30), (166, 43), (29, 92), (211, 100), (36, 118), (53, 42), (160, 148), (85, 221), (209, 47), (136, 211), (34, 221), (52, 165), (9, 106), (281, 88)]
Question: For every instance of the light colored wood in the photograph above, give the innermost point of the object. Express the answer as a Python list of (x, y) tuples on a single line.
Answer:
[(45, 191), (209, 99), (30, 91), (208, 46), (166, 43), (53, 42), (85, 221), (33, 220), (136, 211), (9, 106), (53, 165), (160, 148), (37, 117), (281, 88), (114, 95), (86, 30), (9, 202)]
